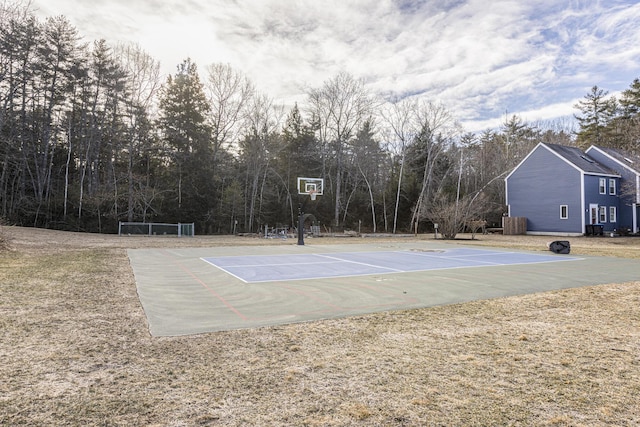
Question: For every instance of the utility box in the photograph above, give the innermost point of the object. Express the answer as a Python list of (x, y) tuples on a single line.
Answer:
[(514, 225)]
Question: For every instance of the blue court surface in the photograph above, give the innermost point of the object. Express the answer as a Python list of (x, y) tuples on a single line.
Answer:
[(270, 268)]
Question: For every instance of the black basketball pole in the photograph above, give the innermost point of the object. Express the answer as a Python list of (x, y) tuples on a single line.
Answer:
[(300, 226)]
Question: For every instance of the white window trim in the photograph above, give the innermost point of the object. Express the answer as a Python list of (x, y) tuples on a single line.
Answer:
[(602, 214), (612, 187), (566, 211), (602, 186), (613, 214)]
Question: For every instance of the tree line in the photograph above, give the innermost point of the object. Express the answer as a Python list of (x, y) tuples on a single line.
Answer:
[(91, 134)]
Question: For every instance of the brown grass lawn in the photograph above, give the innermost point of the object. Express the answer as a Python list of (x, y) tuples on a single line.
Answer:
[(76, 350)]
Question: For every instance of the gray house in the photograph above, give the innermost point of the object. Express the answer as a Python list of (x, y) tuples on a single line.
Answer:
[(628, 166), (564, 191)]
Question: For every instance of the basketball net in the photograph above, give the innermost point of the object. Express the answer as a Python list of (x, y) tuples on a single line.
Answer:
[(313, 194)]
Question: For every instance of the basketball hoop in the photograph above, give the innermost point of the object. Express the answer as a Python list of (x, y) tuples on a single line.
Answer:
[(312, 187)]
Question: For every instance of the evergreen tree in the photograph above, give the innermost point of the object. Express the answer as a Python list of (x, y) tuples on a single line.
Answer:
[(596, 112), (300, 157), (627, 125), (183, 128), (630, 100)]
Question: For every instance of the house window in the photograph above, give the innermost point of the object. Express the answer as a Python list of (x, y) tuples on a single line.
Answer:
[(603, 186), (603, 215), (564, 212), (612, 186), (612, 214)]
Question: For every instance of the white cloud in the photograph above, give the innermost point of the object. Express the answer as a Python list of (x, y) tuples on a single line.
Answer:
[(478, 58)]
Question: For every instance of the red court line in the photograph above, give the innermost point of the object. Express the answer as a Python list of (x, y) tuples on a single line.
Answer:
[(211, 291), (310, 296), (399, 299), (381, 291), (332, 307)]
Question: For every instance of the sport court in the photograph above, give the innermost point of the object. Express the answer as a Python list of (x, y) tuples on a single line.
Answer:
[(198, 290), (270, 268)]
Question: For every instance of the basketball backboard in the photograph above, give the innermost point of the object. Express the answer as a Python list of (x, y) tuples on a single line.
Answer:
[(311, 186)]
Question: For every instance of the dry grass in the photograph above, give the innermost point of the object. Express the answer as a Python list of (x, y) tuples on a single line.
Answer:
[(4, 239), (76, 351)]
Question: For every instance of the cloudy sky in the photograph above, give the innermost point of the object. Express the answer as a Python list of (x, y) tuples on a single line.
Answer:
[(483, 59)]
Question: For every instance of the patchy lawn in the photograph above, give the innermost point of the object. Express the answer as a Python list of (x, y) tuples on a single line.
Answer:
[(76, 351)]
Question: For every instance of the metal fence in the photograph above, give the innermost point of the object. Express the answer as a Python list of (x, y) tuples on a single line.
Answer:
[(155, 229)]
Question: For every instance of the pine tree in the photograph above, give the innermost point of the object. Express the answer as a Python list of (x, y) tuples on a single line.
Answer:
[(182, 123), (630, 100), (627, 125), (597, 111)]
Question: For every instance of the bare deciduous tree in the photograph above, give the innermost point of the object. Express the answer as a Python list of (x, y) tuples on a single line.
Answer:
[(143, 82), (437, 132), (453, 214), (228, 92), (340, 106), (259, 147), (398, 117)]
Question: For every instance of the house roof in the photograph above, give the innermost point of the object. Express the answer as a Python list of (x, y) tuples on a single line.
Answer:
[(630, 161), (580, 160)]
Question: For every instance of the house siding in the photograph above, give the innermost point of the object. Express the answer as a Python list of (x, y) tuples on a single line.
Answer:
[(537, 189), (593, 196), (626, 203)]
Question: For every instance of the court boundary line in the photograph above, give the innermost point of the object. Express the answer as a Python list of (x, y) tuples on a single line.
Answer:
[(458, 258), (346, 276), (223, 270), (393, 270), (484, 263), (210, 290)]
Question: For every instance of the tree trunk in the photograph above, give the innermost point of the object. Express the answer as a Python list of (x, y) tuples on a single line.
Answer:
[(373, 208), (66, 175), (395, 214)]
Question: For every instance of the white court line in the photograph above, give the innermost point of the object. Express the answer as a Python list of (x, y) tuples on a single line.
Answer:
[(461, 257), (297, 264), (336, 260), (363, 263), (484, 253), (223, 270), (271, 265)]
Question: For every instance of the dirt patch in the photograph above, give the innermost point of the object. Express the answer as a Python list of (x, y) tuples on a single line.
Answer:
[(76, 350)]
